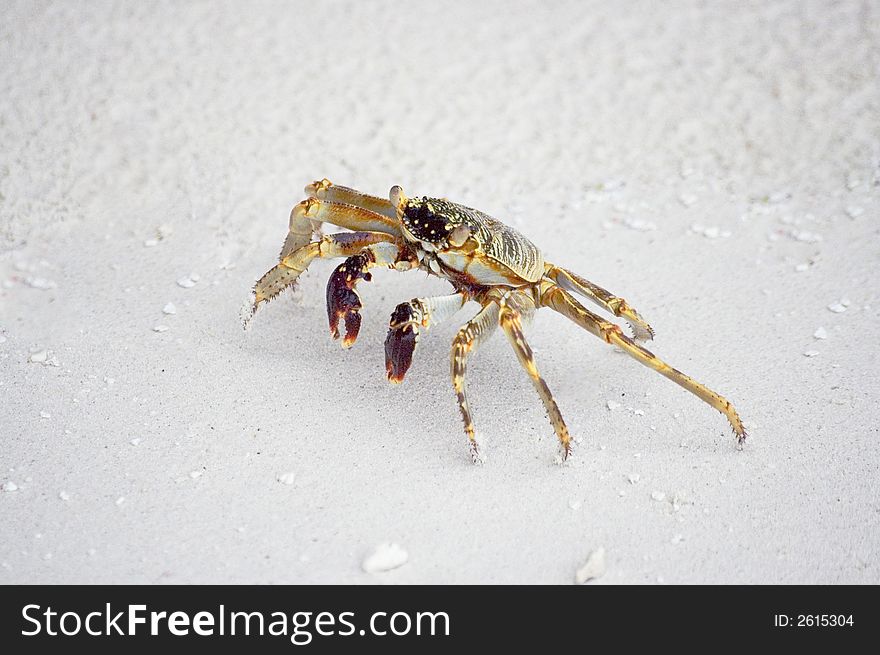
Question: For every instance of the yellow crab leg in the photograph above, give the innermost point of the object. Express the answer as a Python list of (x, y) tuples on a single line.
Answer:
[(326, 190), (291, 266), (511, 323), (306, 216), (560, 300), (618, 306), (468, 338)]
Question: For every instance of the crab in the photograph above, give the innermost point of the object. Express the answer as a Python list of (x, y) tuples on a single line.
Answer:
[(484, 260)]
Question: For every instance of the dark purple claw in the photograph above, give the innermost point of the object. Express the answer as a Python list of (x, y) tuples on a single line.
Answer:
[(343, 302), (400, 344)]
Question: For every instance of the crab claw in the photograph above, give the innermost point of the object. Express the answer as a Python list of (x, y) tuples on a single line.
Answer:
[(400, 344), (343, 302)]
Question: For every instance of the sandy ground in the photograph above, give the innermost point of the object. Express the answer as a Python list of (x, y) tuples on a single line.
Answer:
[(717, 164)]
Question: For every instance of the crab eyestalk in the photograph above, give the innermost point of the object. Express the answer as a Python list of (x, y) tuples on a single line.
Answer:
[(343, 301), (400, 344)]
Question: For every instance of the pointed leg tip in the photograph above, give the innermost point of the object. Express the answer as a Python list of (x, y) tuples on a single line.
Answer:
[(248, 309), (564, 454), (477, 456)]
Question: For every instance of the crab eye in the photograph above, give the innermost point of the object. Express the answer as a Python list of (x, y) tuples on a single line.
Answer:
[(396, 196), (459, 235)]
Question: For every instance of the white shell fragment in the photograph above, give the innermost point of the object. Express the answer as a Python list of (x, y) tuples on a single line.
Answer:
[(44, 357), (386, 557), (820, 333), (188, 281), (286, 478), (593, 568), (169, 309)]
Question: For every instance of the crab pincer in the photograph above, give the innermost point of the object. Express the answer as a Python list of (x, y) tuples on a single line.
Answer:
[(400, 344), (343, 302)]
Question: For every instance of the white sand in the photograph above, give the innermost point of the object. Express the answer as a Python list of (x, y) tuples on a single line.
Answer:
[(717, 165)]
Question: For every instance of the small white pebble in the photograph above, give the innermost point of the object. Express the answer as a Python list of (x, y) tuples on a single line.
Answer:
[(820, 333), (169, 309), (385, 557), (854, 212), (640, 224), (135, 441), (633, 478), (676, 539), (639, 412), (160, 328), (612, 405), (9, 486), (806, 237), (45, 415), (149, 243), (40, 283), (659, 496), (286, 478), (47, 556), (837, 307), (187, 282), (120, 500), (621, 493), (109, 380), (593, 568), (39, 357), (63, 495), (195, 474), (811, 353)]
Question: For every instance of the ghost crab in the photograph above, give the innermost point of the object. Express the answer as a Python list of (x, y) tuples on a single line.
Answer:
[(484, 260)]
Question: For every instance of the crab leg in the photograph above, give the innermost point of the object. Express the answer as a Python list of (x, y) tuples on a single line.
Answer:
[(561, 301), (469, 337), (291, 266), (407, 320), (511, 323), (326, 190), (343, 301), (306, 216), (574, 283)]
